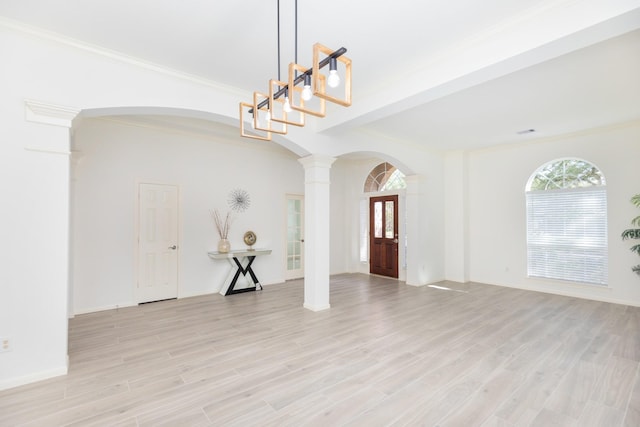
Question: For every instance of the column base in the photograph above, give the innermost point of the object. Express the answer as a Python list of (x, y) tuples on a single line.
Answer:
[(316, 308)]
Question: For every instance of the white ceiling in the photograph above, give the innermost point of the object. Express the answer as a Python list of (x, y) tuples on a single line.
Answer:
[(445, 74)]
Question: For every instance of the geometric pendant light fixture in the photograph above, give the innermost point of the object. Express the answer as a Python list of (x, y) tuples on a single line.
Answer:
[(306, 91)]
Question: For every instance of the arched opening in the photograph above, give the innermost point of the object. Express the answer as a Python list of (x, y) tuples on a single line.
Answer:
[(116, 151), (380, 220)]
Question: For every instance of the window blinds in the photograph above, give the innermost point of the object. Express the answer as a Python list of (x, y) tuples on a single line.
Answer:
[(567, 234)]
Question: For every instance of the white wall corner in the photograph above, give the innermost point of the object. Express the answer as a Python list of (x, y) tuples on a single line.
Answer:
[(49, 114)]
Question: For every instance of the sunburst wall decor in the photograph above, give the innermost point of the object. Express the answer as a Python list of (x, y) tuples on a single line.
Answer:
[(239, 200)]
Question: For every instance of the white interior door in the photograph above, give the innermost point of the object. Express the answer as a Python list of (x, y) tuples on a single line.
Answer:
[(295, 237), (157, 242)]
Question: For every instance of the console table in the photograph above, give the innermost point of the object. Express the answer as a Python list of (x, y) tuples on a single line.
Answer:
[(242, 261)]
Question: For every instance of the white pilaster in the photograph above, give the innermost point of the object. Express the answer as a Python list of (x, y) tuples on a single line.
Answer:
[(317, 170), (46, 140), (456, 245), (416, 252)]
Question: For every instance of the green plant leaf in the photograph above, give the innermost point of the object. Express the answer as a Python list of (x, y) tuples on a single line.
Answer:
[(631, 233), (636, 269), (636, 221), (636, 200), (635, 248)]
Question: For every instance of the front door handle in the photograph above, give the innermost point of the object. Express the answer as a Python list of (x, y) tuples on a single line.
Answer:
[(174, 247)]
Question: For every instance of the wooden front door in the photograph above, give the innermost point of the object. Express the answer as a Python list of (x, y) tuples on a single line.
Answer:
[(383, 229)]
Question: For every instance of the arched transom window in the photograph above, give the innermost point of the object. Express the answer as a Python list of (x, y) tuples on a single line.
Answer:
[(567, 173), (384, 177), (567, 222)]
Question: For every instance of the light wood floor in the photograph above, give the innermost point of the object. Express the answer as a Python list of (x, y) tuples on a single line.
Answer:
[(384, 354)]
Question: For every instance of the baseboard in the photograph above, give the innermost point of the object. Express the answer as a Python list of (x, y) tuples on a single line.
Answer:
[(566, 293), (104, 308), (32, 378)]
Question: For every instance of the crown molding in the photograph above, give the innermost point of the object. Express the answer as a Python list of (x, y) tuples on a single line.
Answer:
[(115, 55)]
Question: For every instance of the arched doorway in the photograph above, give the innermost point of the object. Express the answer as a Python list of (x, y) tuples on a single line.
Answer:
[(384, 231)]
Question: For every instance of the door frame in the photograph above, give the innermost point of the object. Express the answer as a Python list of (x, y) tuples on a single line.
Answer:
[(393, 243)]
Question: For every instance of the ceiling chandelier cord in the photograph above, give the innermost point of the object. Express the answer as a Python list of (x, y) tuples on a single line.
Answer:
[(296, 35), (279, 39)]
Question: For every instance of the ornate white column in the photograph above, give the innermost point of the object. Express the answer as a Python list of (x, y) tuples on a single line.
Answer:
[(317, 170)]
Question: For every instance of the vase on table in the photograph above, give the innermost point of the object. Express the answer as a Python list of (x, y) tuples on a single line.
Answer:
[(224, 246)]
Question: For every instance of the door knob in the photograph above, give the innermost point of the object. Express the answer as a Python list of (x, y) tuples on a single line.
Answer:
[(174, 247), (395, 240)]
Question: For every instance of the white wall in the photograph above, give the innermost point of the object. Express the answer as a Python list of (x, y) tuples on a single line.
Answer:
[(114, 157), (497, 224), (339, 224)]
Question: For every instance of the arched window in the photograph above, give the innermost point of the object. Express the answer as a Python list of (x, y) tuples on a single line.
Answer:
[(384, 177), (567, 222)]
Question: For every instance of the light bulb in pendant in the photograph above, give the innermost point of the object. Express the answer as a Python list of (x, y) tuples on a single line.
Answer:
[(334, 79), (306, 91), (287, 105)]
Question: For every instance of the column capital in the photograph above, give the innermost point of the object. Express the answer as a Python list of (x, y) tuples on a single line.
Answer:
[(317, 161), (53, 139), (49, 114)]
